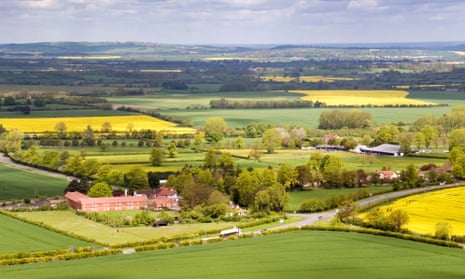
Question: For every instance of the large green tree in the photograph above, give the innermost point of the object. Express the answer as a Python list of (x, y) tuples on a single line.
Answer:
[(100, 189), (215, 129), (271, 140), (136, 179), (156, 156)]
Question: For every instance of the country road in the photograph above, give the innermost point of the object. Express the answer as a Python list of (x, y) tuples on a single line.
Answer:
[(7, 161), (309, 219)]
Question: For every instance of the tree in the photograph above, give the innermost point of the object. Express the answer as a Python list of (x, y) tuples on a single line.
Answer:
[(346, 211), (443, 230), (78, 185), (397, 219), (74, 165), (13, 141), (419, 139), (247, 185), (457, 138), (274, 198), (430, 133), (156, 156), (172, 150), (136, 179), (198, 141), (61, 128), (287, 176), (410, 177), (100, 189), (106, 127), (88, 137), (215, 129), (239, 142), (271, 139), (210, 158), (387, 134)]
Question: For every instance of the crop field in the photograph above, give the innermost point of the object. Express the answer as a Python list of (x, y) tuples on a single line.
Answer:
[(17, 236), (297, 197), (305, 254), (118, 124), (360, 97), (303, 78), (428, 209), (20, 184), (70, 222)]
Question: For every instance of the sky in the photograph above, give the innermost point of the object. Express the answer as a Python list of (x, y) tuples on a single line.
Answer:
[(232, 21)]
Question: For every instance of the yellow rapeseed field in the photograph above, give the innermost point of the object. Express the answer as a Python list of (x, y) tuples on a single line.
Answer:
[(78, 124), (428, 209), (360, 97), (303, 78)]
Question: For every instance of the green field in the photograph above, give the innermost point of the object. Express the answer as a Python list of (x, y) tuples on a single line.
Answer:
[(175, 105), (20, 184), (308, 254), (17, 236), (297, 197)]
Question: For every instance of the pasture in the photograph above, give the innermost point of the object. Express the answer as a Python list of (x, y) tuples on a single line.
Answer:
[(303, 254), (296, 198), (428, 209), (78, 124), (70, 222), (360, 97), (17, 236), (20, 184)]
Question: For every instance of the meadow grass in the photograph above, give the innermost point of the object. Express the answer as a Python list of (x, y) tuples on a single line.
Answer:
[(296, 198), (303, 254), (70, 222), (17, 236), (427, 209), (20, 184)]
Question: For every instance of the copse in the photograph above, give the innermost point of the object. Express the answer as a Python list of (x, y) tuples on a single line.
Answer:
[(337, 119)]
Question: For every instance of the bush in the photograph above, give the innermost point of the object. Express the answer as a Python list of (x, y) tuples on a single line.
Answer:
[(312, 205)]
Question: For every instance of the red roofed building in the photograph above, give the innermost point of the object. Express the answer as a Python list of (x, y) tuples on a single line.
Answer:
[(82, 202)]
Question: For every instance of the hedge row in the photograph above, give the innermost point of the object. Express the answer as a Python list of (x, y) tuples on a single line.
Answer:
[(60, 257)]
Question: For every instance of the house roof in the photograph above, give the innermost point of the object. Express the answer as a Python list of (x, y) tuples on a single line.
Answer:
[(84, 199), (165, 191), (383, 148), (121, 199), (163, 200), (75, 196)]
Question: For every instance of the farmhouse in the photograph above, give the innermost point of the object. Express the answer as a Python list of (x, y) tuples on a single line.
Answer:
[(139, 200)]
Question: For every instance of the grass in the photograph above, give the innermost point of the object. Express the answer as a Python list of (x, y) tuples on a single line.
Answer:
[(428, 209), (298, 197), (70, 222), (17, 236), (20, 184), (306, 254)]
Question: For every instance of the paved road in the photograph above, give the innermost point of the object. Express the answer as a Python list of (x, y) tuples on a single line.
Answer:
[(7, 161), (309, 219)]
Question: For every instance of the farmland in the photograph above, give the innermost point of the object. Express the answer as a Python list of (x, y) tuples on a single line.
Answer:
[(361, 97), (303, 78), (118, 124), (428, 209), (297, 255), (17, 236), (70, 222), (20, 184)]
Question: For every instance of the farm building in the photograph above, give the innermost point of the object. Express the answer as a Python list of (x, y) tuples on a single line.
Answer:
[(383, 149), (85, 203)]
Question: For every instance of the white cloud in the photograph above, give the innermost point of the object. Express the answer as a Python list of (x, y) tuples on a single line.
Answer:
[(363, 4)]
